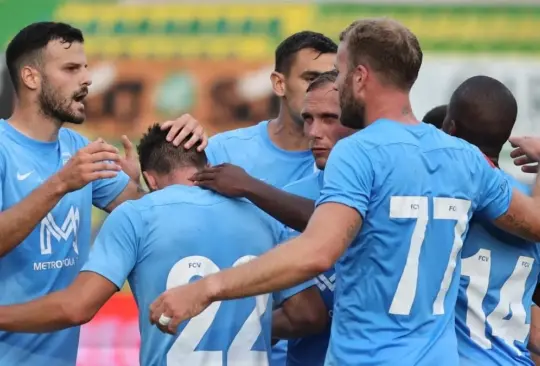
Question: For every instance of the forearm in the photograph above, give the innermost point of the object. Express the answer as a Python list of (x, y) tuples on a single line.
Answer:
[(283, 267), (17, 222), (291, 210), (46, 314), (282, 327)]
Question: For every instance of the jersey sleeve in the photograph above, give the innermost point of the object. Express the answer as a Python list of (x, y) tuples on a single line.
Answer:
[(348, 177), (494, 189), (214, 151), (115, 249), (2, 179), (104, 191)]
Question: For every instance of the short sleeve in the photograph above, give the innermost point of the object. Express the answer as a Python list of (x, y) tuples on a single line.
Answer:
[(494, 189), (348, 177), (214, 151), (2, 179), (104, 191), (115, 249)]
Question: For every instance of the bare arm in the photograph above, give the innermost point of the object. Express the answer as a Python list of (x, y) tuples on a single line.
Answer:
[(73, 306), (301, 315), (28, 213), (328, 234), (292, 210), (133, 191), (522, 217)]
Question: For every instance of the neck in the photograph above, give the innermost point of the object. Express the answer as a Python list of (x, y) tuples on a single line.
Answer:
[(30, 120), (393, 104), (178, 176), (286, 133)]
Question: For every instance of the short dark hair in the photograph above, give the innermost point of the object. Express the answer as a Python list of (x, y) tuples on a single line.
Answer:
[(26, 46), (484, 111), (290, 46), (387, 46), (156, 153), (436, 116), (328, 77)]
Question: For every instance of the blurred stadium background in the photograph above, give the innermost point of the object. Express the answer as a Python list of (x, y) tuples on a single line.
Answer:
[(157, 59)]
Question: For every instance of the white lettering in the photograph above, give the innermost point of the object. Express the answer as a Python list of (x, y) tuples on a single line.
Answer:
[(49, 229), (59, 264)]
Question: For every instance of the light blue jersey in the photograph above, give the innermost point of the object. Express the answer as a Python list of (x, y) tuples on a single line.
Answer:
[(52, 255), (312, 350), (252, 149), (174, 236), (396, 287), (499, 273)]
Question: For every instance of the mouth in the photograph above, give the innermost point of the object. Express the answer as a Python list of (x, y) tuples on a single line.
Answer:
[(80, 97), (319, 150)]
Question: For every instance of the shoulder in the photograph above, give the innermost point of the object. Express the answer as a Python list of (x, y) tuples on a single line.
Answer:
[(246, 133), (304, 186)]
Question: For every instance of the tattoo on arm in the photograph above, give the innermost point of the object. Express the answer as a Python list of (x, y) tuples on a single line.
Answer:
[(516, 225)]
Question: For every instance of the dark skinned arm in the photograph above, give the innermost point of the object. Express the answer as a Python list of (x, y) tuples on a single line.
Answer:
[(71, 307), (301, 315), (232, 181)]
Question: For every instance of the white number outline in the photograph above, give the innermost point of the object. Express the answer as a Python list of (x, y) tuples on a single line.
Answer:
[(183, 351), (510, 301), (417, 207)]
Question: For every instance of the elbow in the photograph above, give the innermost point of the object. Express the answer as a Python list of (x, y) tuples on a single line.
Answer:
[(320, 262), (76, 314)]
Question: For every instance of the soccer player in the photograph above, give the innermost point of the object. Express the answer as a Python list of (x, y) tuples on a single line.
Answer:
[(499, 272), (276, 151), (321, 114), (436, 116), (49, 179), (170, 237), (394, 209)]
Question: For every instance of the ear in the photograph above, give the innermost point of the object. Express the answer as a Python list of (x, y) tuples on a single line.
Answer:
[(449, 126), (278, 83), (150, 181), (360, 76), (30, 77)]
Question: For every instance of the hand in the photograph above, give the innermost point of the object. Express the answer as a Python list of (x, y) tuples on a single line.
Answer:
[(526, 153), (181, 127), (226, 179), (130, 161), (179, 303), (97, 160)]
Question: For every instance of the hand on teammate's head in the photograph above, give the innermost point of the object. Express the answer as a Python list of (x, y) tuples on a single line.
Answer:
[(181, 128), (526, 152), (130, 161)]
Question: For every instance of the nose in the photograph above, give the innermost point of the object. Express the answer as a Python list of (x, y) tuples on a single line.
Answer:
[(314, 130), (86, 77)]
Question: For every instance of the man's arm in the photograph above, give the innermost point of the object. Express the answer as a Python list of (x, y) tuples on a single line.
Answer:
[(534, 338), (73, 306), (523, 216), (330, 231), (301, 315), (232, 181), (86, 166)]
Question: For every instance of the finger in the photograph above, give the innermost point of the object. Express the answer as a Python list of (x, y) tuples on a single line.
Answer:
[(523, 160), (156, 309), (516, 141), (176, 126), (105, 166), (128, 147), (203, 176), (187, 129), (517, 153), (204, 143), (105, 174), (101, 156), (530, 168), (195, 137), (162, 328), (173, 325)]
